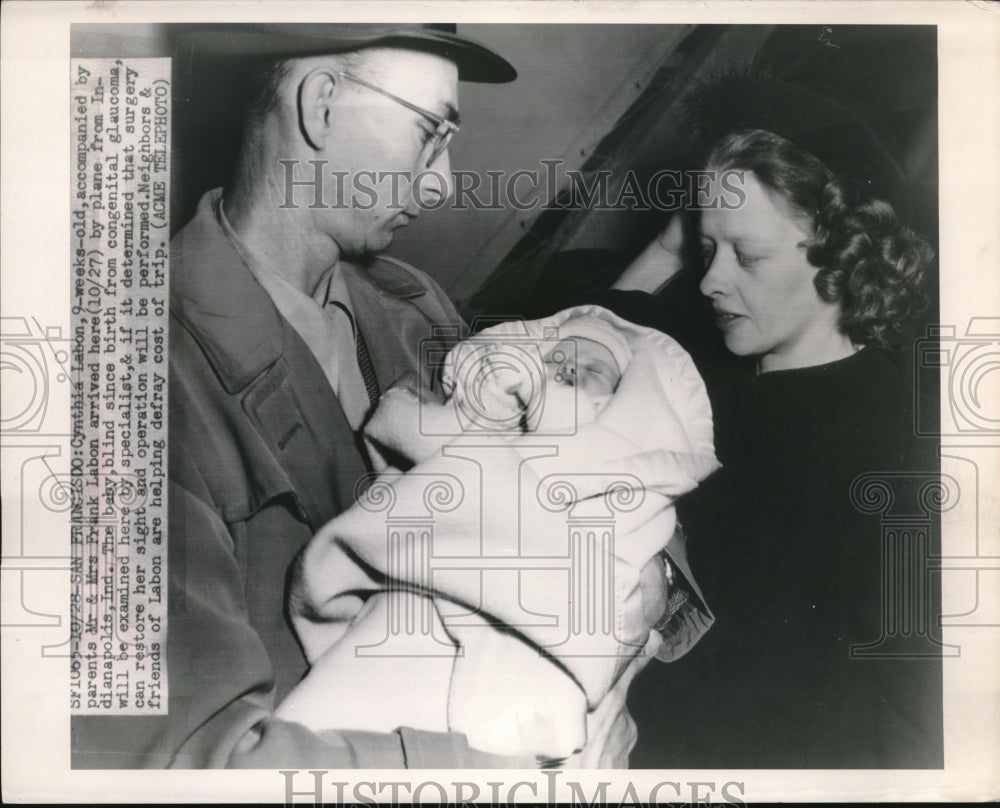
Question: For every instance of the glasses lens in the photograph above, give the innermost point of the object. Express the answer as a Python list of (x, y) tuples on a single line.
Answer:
[(442, 137)]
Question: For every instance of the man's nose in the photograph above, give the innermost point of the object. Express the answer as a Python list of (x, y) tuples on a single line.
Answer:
[(437, 185)]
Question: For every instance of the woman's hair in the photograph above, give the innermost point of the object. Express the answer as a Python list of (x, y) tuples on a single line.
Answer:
[(869, 262)]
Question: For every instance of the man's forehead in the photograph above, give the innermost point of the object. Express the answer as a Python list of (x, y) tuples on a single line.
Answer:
[(422, 78)]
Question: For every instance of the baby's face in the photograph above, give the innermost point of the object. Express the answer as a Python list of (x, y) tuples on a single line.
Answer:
[(584, 363)]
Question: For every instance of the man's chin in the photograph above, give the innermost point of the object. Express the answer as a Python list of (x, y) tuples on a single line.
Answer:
[(373, 245)]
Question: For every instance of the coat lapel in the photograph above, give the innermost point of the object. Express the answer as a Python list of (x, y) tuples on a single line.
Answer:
[(423, 328), (260, 359), (303, 422)]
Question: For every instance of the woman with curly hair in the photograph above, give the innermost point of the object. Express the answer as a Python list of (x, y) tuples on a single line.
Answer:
[(810, 275), (830, 271)]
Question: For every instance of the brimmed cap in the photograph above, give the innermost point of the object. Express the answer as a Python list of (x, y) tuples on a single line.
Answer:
[(475, 61), (838, 130)]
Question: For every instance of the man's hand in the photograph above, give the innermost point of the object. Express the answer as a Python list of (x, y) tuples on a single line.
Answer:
[(611, 732), (493, 388), (410, 421)]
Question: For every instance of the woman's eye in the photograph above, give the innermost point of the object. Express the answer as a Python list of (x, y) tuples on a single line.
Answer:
[(707, 254), (746, 261)]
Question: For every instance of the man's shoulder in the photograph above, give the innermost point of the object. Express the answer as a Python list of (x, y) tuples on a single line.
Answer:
[(201, 244), (389, 277), (395, 277), (204, 223), (391, 264)]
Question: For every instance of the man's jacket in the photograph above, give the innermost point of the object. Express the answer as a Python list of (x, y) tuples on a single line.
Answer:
[(261, 456)]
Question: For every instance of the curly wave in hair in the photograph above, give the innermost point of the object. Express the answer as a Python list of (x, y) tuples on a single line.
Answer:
[(869, 262)]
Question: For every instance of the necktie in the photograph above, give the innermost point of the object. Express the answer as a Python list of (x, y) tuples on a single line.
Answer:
[(364, 358)]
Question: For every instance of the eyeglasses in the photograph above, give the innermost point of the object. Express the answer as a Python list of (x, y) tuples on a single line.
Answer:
[(445, 130)]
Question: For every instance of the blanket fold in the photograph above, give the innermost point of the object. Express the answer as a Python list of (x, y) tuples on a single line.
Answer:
[(541, 534)]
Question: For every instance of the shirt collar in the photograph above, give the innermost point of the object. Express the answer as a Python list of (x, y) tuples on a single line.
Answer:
[(274, 283), (389, 276), (234, 319)]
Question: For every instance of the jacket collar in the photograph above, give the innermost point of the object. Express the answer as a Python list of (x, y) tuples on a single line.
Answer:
[(230, 315)]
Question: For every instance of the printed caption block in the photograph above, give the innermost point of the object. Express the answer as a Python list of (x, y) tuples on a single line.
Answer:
[(120, 235)]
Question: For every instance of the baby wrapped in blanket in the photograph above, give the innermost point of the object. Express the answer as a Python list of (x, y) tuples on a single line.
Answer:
[(513, 602)]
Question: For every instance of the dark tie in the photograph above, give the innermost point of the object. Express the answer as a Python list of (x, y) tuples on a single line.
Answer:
[(364, 358)]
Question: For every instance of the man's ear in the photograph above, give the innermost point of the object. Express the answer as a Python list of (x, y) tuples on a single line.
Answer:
[(317, 93)]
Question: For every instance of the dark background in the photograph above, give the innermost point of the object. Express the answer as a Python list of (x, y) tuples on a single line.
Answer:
[(593, 96)]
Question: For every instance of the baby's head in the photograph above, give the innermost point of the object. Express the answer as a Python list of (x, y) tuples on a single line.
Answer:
[(591, 355)]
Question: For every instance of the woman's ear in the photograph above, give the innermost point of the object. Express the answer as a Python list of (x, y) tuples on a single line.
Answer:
[(317, 93)]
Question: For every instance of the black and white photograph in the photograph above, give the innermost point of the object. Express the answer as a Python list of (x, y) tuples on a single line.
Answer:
[(577, 408)]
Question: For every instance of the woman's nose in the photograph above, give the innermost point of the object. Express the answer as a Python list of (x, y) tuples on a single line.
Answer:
[(715, 280)]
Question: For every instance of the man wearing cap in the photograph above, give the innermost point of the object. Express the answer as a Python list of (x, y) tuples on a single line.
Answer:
[(285, 325)]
